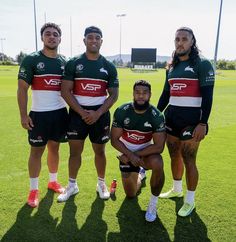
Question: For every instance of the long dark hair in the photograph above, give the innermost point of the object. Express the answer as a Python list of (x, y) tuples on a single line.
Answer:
[(193, 55)]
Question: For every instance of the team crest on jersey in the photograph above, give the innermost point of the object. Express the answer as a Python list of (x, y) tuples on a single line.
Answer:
[(79, 68), (146, 124), (103, 70), (22, 70), (188, 68), (211, 76), (40, 66), (154, 113), (126, 121), (126, 107), (211, 73)]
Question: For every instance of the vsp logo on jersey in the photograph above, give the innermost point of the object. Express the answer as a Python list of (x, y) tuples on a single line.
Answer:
[(178, 86), (53, 82), (91, 87), (135, 136)]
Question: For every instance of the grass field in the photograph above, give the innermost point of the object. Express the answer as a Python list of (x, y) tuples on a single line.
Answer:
[(85, 217)]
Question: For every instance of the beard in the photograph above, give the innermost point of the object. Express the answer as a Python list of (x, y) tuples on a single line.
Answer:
[(141, 107), (183, 53)]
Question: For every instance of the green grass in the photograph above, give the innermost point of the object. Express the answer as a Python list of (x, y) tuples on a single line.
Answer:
[(87, 218)]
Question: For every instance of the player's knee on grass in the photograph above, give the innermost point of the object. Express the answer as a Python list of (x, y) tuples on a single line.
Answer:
[(129, 181)]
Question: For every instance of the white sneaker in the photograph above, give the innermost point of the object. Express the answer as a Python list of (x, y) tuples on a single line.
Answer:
[(69, 191), (151, 213), (142, 173), (171, 194), (102, 191)]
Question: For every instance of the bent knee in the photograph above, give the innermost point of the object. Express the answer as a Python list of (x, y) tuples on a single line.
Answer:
[(156, 162)]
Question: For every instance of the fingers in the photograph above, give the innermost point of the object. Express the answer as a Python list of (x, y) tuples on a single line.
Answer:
[(31, 123), (136, 161), (199, 133), (90, 118), (27, 123), (26, 126), (198, 136)]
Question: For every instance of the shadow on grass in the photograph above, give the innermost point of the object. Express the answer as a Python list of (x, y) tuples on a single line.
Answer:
[(133, 226), (190, 228), (30, 227), (67, 229), (41, 226), (94, 228)]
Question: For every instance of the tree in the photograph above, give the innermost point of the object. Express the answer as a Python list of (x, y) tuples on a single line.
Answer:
[(226, 65), (231, 65), (20, 57)]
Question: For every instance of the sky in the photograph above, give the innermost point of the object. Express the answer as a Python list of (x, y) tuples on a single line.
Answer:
[(147, 24)]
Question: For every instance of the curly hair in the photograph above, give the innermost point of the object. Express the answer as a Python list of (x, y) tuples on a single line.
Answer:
[(194, 52), (50, 25), (142, 83)]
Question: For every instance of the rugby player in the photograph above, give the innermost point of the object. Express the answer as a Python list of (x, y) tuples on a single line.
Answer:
[(90, 87), (187, 94), (138, 133), (47, 121)]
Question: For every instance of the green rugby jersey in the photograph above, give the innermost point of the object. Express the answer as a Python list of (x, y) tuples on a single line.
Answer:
[(91, 79), (138, 128), (184, 82), (44, 75)]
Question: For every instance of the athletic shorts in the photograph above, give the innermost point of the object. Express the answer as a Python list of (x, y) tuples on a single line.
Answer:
[(181, 121), (129, 167), (99, 132), (50, 125)]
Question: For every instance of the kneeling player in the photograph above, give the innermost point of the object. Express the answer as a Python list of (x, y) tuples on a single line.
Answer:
[(134, 126)]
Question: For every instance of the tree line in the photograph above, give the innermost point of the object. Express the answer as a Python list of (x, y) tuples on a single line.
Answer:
[(221, 64)]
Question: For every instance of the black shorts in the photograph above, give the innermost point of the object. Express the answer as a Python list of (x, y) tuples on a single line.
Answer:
[(181, 121), (129, 167), (99, 132), (50, 125)]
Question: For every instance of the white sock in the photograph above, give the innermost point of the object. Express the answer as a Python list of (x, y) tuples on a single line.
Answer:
[(52, 177), (72, 182), (101, 180), (153, 199), (34, 183), (177, 185), (190, 197)]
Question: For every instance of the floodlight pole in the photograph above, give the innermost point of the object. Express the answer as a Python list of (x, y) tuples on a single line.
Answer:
[(217, 36), (45, 17), (2, 39), (120, 16), (35, 28), (70, 37)]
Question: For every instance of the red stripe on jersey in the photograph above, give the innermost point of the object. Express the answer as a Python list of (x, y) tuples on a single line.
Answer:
[(135, 137), (90, 87), (46, 82), (184, 87)]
